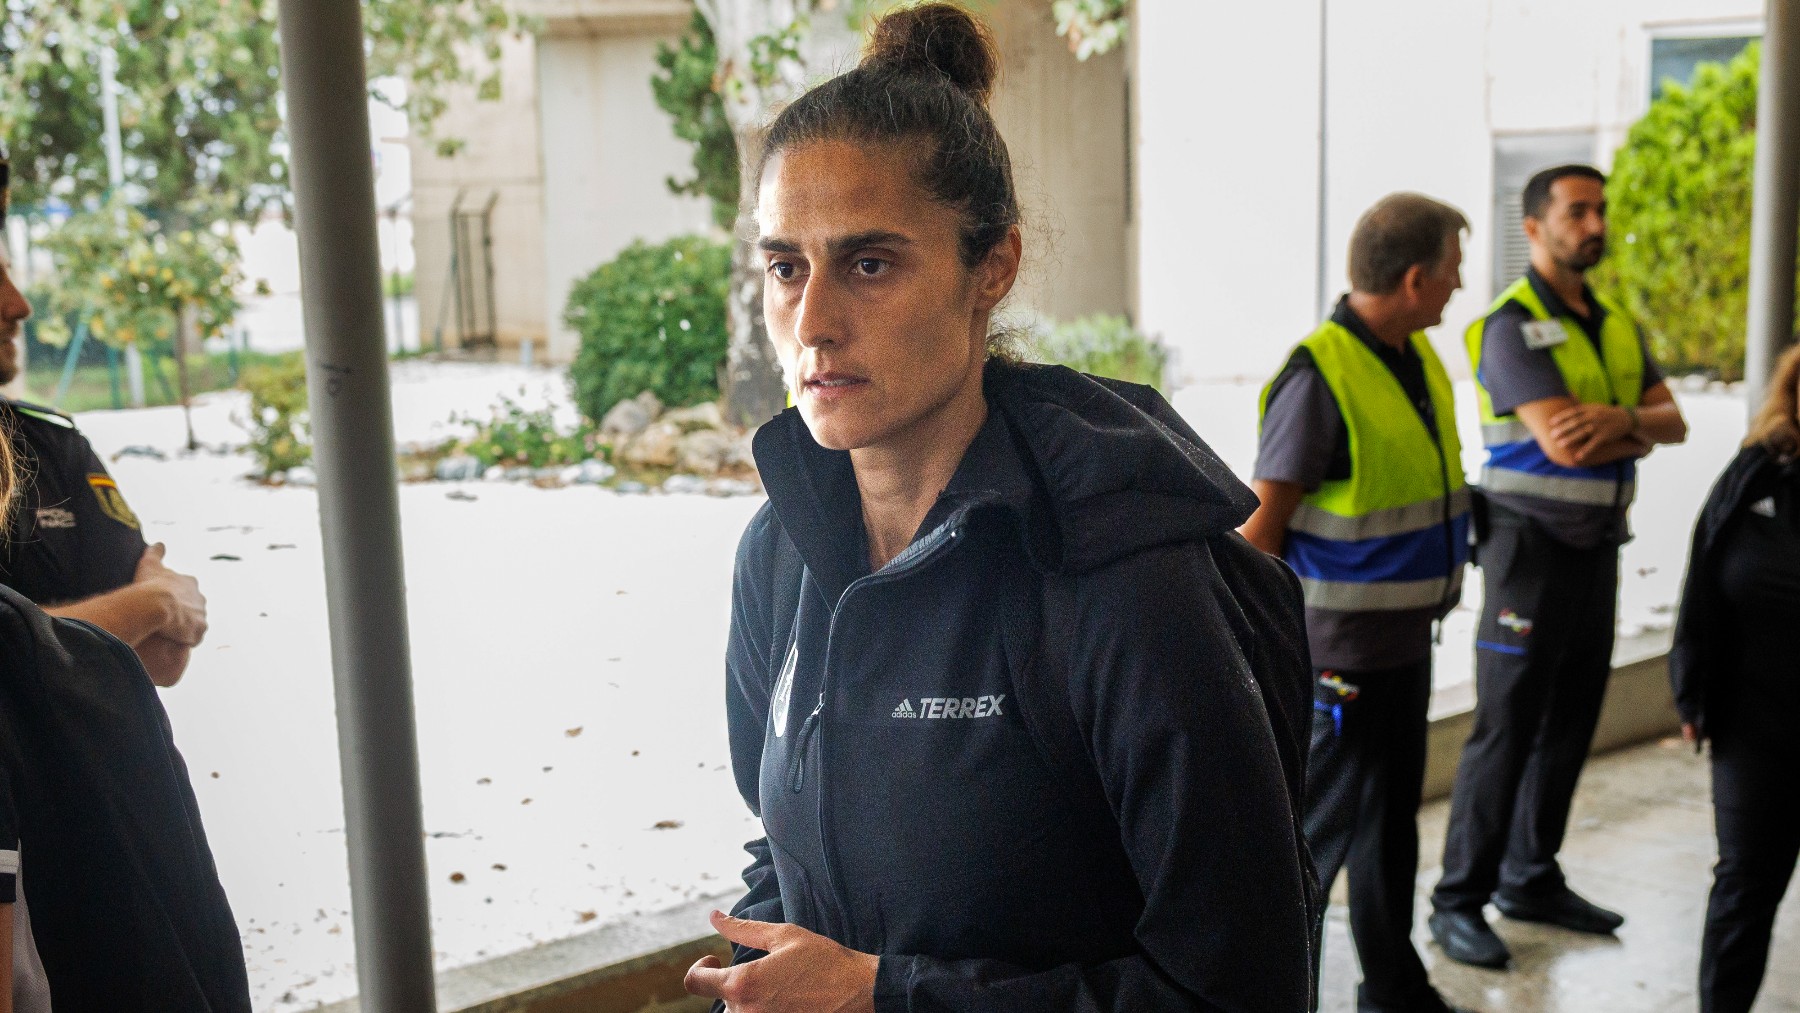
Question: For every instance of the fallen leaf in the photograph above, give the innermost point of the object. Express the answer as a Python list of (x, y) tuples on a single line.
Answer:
[(585, 916), (457, 877), (484, 780), (667, 825), (228, 557), (573, 732), (524, 801), (499, 866)]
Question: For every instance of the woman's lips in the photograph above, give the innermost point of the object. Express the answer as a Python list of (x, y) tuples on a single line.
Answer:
[(834, 386)]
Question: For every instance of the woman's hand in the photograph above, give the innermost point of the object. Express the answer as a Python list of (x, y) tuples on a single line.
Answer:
[(803, 973)]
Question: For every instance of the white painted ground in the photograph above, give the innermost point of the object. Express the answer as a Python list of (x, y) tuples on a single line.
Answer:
[(567, 654)]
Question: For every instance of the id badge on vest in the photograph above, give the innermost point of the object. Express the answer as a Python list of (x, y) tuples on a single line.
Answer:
[(1542, 334)]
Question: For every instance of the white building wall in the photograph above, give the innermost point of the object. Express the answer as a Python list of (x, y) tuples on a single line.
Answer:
[(1225, 97), (500, 158), (1226, 142), (607, 150)]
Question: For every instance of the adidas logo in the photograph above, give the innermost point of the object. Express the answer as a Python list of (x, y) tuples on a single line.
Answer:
[(939, 707)]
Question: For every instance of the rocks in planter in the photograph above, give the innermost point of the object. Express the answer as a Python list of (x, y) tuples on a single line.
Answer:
[(684, 484), (659, 446), (458, 468), (705, 452), (592, 471), (631, 416), (699, 417)]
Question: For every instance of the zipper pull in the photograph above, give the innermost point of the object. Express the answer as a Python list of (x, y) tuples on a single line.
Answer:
[(797, 765)]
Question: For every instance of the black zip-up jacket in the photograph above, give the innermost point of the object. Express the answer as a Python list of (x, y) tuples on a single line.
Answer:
[(1051, 756), (1702, 636), (125, 901)]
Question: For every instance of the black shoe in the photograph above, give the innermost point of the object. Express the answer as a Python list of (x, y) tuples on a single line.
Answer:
[(1466, 938), (1565, 908)]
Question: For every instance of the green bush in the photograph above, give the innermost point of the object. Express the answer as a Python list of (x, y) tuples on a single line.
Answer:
[(1104, 345), (653, 319), (280, 435), (515, 436), (1679, 209)]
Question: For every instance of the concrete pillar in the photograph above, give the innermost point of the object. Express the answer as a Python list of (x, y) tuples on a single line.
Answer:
[(1775, 209)]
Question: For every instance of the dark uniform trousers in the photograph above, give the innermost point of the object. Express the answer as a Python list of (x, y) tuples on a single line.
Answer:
[(1757, 813), (1364, 775), (1543, 653)]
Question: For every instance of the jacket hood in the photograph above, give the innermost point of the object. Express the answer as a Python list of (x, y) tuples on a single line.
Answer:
[(1093, 469)]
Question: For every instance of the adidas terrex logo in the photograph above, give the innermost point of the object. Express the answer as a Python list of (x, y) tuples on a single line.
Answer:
[(945, 707)]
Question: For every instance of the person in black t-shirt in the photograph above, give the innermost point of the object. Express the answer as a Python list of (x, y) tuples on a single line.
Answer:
[(1732, 665)]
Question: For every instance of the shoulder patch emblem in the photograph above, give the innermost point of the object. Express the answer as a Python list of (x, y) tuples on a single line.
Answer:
[(112, 501), (1542, 334)]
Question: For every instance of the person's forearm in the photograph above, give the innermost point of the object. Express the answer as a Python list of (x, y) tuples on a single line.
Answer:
[(1661, 423), (165, 660), (1624, 448), (132, 613), (1267, 527)]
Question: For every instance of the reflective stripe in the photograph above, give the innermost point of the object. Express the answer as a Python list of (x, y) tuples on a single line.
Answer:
[(1494, 434), (1379, 523), (1377, 596), (1588, 491)]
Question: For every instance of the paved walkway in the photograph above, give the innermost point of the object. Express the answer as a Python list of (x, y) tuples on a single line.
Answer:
[(1641, 842)]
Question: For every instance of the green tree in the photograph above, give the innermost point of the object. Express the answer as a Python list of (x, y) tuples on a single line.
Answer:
[(687, 90), (1679, 209), (199, 83)]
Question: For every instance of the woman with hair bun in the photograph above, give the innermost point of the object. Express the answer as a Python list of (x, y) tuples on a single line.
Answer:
[(1023, 717)]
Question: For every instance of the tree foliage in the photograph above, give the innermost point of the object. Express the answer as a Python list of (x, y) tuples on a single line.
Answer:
[(1679, 209), (687, 89), (198, 93)]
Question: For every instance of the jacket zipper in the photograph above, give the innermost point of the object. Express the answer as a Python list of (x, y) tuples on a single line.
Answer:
[(929, 550)]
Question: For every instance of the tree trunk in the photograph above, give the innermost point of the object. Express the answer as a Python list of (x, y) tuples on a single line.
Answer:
[(183, 325), (754, 389)]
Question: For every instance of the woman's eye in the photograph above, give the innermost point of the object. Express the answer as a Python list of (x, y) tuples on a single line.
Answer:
[(783, 270), (869, 267)]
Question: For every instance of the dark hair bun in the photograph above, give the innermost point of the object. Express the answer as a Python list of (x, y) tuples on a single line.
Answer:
[(937, 38)]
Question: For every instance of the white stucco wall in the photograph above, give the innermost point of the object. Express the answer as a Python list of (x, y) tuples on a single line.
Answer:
[(1226, 140), (500, 158), (607, 150)]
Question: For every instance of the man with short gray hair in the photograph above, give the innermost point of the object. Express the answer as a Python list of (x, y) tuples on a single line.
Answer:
[(1360, 476)]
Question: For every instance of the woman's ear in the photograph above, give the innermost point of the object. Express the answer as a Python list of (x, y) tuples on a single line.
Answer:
[(995, 275)]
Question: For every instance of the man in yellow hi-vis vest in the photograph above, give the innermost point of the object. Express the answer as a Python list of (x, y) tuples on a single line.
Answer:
[(1570, 399), (1360, 476)]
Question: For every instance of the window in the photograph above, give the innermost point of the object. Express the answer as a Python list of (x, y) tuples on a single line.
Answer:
[(1516, 158), (1676, 59)]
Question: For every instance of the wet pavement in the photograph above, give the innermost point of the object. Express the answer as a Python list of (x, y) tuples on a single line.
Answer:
[(1640, 842)]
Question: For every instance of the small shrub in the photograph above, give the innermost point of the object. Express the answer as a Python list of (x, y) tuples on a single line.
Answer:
[(280, 433), (1103, 345), (515, 436), (653, 319)]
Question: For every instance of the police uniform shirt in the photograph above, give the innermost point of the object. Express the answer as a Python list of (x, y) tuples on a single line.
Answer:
[(1514, 374), (72, 535), (1306, 442)]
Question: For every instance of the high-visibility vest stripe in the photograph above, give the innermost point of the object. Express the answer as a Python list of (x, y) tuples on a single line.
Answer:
[(1423, 515), (1383, 596)]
